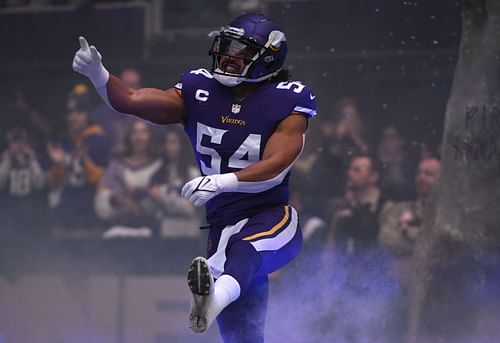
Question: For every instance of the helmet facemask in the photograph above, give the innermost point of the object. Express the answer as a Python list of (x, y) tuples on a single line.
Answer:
[(233, 58), (237, 58)]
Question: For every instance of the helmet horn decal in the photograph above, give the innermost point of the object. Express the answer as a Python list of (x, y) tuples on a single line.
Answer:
[(275, 39)]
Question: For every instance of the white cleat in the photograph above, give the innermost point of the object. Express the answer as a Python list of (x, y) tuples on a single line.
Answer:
[(201, 284)]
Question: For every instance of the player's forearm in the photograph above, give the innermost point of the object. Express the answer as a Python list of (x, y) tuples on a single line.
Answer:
[(272, 169), (259, 177), (281, 151), (154, 105), (265, 170), (117, 95)]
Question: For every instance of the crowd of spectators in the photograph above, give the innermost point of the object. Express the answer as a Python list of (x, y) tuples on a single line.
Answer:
[(105, 175), (362, 208)]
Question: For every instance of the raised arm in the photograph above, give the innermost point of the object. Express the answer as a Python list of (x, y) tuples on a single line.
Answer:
[(155, 105), (281, 150)]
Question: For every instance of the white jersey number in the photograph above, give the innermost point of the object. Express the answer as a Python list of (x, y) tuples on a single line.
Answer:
[(297, 86), (203, 72), (249, 148), (247, 153)]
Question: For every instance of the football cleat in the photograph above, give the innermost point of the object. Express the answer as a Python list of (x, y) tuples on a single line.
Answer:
[(201, 284)]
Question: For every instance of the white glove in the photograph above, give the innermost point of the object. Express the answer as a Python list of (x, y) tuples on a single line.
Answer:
[(203, 188), (87, 61)]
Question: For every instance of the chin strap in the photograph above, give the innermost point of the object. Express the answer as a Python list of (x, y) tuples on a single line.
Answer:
[(231, 81), (227, 80)]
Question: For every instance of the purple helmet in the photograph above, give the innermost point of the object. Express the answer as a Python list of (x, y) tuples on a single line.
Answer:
[(254, 42)]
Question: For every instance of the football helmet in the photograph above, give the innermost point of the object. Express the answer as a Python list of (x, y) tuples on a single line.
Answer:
[(252, 48)]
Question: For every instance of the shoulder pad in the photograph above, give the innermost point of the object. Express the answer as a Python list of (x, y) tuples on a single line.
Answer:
[(192, 77), (303, 97)]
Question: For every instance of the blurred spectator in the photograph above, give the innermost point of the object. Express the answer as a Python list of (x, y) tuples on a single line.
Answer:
[(355, 266), (78, 160), (20, 113), (178, 217), (349, 128), (324, 170), (78, 98), (430, 150), (400, 222), (355, 224), (123, 199), (22, 180), (397, 165), (114, 124), (400, 225)]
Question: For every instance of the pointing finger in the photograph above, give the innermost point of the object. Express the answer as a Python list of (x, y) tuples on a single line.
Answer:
[(84, 45)]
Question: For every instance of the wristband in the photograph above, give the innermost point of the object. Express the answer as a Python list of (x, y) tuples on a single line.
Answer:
[(228, 182)]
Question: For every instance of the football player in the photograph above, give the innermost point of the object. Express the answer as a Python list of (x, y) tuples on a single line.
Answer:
[(246, 123)]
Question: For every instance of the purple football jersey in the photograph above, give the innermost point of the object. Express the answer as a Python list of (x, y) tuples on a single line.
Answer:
[(228, 135)]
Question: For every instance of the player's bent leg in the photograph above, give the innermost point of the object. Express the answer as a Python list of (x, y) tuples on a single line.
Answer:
[(274, 260), (208, 298), (274, 247), (243, 320), (242, 263), (245, 253)]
